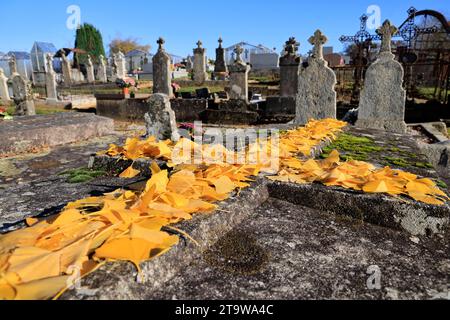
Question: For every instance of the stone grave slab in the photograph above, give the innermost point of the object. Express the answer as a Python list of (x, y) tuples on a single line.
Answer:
[(25, 134)]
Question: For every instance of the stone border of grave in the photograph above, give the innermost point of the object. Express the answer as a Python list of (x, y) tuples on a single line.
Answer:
[(29, 133)]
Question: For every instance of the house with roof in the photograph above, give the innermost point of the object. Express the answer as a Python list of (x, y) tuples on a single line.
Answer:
[(136, 59), (259, 56)]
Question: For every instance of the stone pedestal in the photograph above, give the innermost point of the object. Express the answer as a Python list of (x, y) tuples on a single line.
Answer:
[(289, 69), (239, 77), (200, 75), (382, 102), (161, 71), (220, 66), (160, 120), (101, 72), (50, 80), (4, 92), (316, 97)]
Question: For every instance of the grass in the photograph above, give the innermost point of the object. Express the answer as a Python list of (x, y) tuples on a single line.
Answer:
[(427, 93), (192, 89), (82, 175)]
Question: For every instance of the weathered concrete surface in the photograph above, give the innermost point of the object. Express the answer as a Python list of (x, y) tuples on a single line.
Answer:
[(312, 255), (26, 134), (31, 184), (413, 217), (118, 280)]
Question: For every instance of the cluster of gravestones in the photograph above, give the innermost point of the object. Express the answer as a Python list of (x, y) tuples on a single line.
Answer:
[(309, 86), (21, 87), (22, 93)]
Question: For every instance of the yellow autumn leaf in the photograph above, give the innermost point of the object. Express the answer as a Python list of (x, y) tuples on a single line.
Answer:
[(126, 249), (130, 172), (224, 185)]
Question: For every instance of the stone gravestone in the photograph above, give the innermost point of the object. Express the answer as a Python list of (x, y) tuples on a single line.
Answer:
[(101, 72), (200, 74), (382, 102), (189, 64), (13, 65), (66, 70), (120, 64), (50, 79), (160, 120), (4, 92), (239, 77), (90, 70), (289, 69), (161, 71), (23, 96), (316, 97), (220, 66)]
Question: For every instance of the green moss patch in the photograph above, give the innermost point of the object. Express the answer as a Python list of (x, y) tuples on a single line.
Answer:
[(359, 148), (83, 175)]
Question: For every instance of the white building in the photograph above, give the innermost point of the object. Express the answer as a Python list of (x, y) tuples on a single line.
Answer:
[(260, 57)]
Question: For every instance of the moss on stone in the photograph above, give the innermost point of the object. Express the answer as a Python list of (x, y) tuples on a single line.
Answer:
[(352, 147), (423, 165), (441, 184), (82, 175)]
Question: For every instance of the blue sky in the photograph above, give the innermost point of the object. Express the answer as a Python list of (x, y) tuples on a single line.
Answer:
[(183, 22)]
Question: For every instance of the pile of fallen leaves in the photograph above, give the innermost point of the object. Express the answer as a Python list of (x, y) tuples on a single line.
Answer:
[(37, 262), (44, 259), (361, 176)]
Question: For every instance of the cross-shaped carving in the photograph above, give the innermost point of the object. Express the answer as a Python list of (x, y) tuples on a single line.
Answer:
[(386, 31), (161, 42), (318, 40), (292, 46), (220, 42), (238, 51), (199, 44)]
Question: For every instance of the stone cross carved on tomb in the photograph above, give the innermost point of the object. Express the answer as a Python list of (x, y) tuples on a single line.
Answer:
[(199, 49), (161, 43), (386, 31), (238, 51), (318, 40)]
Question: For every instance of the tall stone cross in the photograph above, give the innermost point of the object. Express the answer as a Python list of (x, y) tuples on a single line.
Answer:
[(386, 31), (13, 65), (161, 42), (199, 44), (220, 42), (318, 40), (238, 51), (292, 46)]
